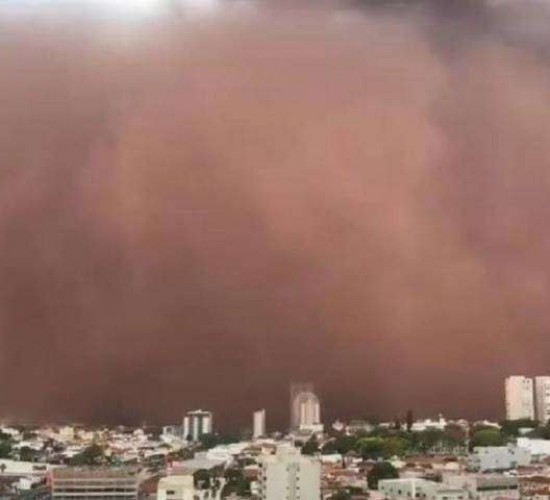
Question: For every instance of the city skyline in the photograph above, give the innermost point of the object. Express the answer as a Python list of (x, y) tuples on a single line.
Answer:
[(195, 214)]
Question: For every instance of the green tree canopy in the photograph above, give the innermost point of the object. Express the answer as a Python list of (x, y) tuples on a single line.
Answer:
[(454, 436), (93, 455), (311, 446), (488, 437), (381, 470), (511, 427), (208, 441), (5, 448), (372, 447)]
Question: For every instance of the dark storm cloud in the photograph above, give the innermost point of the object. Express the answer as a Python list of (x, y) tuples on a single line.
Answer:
[(195, 210)]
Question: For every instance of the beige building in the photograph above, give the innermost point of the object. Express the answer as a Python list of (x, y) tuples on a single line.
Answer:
[(83, 483), (288, 475), (258, 421), (519, 397), (180, 487), (542, 399), (305, 408)]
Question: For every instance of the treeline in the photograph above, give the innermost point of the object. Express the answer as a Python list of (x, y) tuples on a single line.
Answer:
[(384, 443)]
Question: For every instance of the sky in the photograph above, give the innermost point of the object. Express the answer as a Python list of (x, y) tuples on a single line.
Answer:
[(202, 203)]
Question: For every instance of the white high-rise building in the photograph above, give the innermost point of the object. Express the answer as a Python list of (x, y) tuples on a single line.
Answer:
[(288, 475), (542, 399), (197, 423), (258, 424), (305, 408), (519, 398)]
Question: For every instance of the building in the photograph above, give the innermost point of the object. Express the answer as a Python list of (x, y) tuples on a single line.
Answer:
[(70, 483), (296, 388), (519, 398), (498, 458), (288, 475), (486, 487), (197, 423), (396, 489), (258, 422), (542, 399), (305, 408), (176, 488), (538, 448)]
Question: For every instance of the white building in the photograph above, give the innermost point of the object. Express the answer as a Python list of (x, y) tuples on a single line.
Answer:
[(176, 488), (519, 398), (396, 489), (288, 475), (537, 447), (258, 421), (305, 409), (498, 458), (486, 487), (542, 399), (197, 423), (429, 424)]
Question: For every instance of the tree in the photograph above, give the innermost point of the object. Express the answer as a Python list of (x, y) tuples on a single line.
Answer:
[(5, 448), (208, 441), (381, 470), (429, 439), (202, 479), (26, 454), (371, 447), (454, 436), (341, 495), (511, 427), (409, 420), (311, 447), (93, 455), (235, 483), (488, 437)]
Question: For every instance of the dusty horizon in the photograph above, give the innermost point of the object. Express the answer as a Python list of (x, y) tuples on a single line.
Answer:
[(199, 207)]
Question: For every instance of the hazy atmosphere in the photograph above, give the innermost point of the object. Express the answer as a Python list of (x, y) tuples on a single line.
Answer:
[(200, 203)]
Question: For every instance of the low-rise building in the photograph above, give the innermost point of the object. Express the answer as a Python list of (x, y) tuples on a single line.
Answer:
[(407, 488), (537, 447), (176, 488), (70, 483), (486, 487), (498, 458)]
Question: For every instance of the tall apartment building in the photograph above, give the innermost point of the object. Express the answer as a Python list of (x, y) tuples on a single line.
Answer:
[(70, 483), (288, 475), (196, 423), (542, 399), (305, 408), (258, 421), (519, 398)]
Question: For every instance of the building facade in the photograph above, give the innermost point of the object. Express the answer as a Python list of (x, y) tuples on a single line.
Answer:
[(179, 487), (519, 398), (258, 421), (288, 475), (486, 486), (196, 423), (407, 488), (305, 408), (542, 399), (82, 483), (498, 458)]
